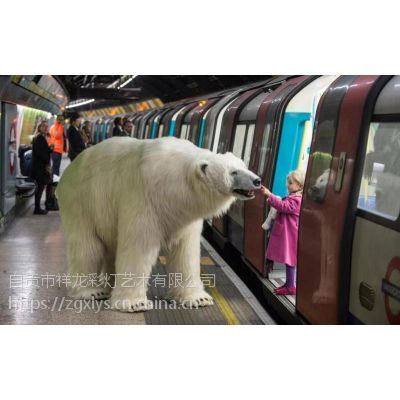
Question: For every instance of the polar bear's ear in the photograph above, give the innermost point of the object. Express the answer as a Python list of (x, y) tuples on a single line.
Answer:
[(203, 166)]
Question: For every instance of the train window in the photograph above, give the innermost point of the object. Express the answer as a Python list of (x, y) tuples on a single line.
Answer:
[(240, 135), (249, 143), (219, 126), (160, 130), (380, 184), (263, 150), (321, 160)]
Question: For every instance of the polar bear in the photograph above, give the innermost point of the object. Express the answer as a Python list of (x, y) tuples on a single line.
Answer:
[(125, 199)]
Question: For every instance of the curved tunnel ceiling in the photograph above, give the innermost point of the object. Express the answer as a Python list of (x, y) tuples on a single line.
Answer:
[(114, 90)]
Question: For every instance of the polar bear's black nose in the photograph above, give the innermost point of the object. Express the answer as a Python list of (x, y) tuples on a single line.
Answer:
[(257, 182)]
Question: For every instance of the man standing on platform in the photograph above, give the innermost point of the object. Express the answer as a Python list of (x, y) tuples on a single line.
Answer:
[(58, 139), (76, 143)]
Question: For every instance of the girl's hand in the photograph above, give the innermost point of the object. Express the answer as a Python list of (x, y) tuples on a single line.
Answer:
[(265, 191)]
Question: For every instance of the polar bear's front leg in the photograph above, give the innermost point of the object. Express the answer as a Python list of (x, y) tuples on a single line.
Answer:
[(184, 262), (133, 268)]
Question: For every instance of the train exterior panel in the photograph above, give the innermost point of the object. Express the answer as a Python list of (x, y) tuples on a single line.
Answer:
[(375, 253), (322, 283)]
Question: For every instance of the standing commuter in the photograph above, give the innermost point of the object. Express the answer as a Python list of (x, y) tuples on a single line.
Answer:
[(85, 133), (58, 140), (117, 130), (41, 170), (76, 143), (127, 128)]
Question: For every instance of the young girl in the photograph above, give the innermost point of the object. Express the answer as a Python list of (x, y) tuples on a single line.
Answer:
[(282, 245)]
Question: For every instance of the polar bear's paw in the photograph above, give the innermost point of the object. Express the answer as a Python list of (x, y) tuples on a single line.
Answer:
[(130, 304), (88, 293), (191, 298)]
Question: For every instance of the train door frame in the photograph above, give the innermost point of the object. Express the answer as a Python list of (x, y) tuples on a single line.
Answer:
[(167, 119), (175, 129), (184, 129), (98, 130), (136, 124), (269, 120), (144, 128), (130, 119), (247, 119), (109, 128), (342, 112), (104, 129), (133, 119), (196, 122), (155, 126), (229, 120), (211, 118)]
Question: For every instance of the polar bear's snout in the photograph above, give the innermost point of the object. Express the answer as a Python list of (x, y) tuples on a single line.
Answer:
[(244, 184)]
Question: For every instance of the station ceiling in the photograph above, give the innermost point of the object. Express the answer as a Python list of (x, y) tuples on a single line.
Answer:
[(115, 90)]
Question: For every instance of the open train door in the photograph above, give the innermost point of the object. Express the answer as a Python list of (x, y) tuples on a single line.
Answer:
[(262, 162), (322, 277)]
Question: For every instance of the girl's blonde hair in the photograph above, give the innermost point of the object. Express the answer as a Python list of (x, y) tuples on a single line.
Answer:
[(298, 176)]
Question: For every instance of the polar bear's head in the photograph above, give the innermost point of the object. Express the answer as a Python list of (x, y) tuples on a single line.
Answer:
[(227, 175)]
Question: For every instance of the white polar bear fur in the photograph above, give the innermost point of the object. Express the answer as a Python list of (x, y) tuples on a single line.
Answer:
[(124, 199)]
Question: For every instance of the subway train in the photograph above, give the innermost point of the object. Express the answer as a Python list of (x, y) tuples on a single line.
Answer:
[(344, 133)]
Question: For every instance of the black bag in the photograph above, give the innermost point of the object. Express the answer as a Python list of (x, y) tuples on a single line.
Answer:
[(25, 159)]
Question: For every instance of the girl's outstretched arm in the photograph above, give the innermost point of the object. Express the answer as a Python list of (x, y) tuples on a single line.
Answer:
[(288, 205)]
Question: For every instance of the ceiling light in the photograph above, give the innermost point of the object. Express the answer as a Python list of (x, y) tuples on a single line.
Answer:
[(126, 82), (80, 103)]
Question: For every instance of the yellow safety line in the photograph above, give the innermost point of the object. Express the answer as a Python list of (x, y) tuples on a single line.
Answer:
[(203, 260), (220, 300), (224, 307)]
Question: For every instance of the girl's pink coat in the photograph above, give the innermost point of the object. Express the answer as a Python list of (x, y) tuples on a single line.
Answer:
[(282, 245)]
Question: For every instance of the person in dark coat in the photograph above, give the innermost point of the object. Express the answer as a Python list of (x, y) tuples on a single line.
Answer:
[(127, 128), (76, 143), (41, 168), (117, 130)]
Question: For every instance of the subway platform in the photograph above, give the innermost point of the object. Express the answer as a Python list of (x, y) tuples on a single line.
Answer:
[(33, 288)]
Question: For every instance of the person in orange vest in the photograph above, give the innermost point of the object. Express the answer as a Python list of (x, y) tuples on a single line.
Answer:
[(58, 140)]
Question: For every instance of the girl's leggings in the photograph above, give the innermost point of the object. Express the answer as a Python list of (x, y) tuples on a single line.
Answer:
[(290, 276)]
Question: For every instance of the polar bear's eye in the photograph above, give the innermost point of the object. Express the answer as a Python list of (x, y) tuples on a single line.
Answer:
[(234, 173)]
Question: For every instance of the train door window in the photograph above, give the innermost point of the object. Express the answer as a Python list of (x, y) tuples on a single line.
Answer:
[(380, 185), (249, 144), (321, 159), (219, 127), (184, 131), (146, 131), (160, 130), (238, 143), (202, 128), (263, 150)]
